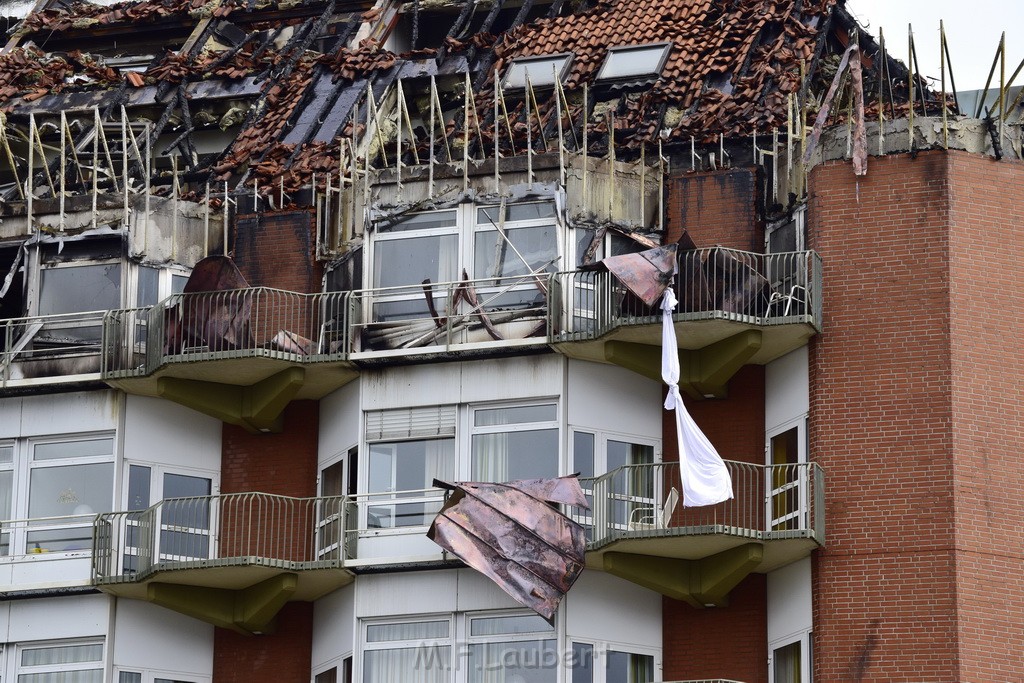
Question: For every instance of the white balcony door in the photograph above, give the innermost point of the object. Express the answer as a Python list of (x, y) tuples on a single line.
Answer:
[(178, 530), (787, 481), (333, 485)]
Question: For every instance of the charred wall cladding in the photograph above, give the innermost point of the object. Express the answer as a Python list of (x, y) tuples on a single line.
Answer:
[(716, 208), (278, 250)]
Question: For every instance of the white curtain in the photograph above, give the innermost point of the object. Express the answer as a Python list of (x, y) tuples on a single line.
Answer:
[(704, 477), (490, 457), (427, 664)]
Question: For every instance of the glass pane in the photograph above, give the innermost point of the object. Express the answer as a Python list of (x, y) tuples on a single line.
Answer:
[(428, 664), (178, 283), (6, 493), (410, 465), (6, 454), (183, 544), (786, 663), (542, 71), (582, 663), (510, 456), (148, 289), (506, 416), (621, 453), (170, 680), (80, 288), (70, 490), (627, 667), (583, 453), (522, 661), (491, 626), (423, 221), (73, 449), (129, 677), (332, 480), (411, 260), (184, 486), (786, 447), (516, 212), (634, 61), (416, 630), (82, 676), (138, 487), (495, 257), (329, 676), (65, 654), (59, 540)]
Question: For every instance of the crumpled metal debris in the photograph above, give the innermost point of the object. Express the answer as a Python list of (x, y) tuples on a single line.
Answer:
[(512, 534), (646, 274)]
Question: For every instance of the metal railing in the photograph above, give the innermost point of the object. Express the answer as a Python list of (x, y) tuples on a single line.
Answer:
[(241, 323), (51, 348), (224, 530), (770, 502), (469, 314), (712, 284)]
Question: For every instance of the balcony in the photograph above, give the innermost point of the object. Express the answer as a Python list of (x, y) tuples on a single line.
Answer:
[(735, 308), (238, 355), (449, 318), (43, 552), (639, 530), (232, 560), (50, 349), (389, 529)]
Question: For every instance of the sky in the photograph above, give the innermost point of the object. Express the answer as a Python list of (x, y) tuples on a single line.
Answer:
[(973, 28)]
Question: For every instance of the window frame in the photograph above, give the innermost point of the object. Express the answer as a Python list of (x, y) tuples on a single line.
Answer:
[(19, 669), (565, 58), (467, 461), (654, 74)]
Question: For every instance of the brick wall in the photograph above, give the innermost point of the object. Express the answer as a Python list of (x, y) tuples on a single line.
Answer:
[(283, 657), (880, 423), (285, 464), (722, 642), (987, 300), (716, 208), (276, 249)]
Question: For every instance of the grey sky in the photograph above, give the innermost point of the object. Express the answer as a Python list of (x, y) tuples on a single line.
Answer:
[(972, 29)]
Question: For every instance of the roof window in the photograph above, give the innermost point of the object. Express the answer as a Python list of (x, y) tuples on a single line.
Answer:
[(542, 70), (631, 61)]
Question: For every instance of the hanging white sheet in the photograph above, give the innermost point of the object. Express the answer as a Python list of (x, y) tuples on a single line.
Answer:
[(705, 479)]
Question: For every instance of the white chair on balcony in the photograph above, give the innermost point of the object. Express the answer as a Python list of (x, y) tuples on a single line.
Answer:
[(648, 519), (797, 294)]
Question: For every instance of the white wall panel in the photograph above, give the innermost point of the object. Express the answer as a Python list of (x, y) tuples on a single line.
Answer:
[(789, 600), (150, 637), (339, 421), (86, 411), (380, 595), (786, 388), (610, 398), (333, 626), (162, 432), (605, 608), (76, 616)]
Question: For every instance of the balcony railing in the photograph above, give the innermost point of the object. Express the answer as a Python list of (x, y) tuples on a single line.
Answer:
[(389, 528), (771, 502), (712, 284), (246, 323), (46, 535), (243, 529), (446, 316), (50, 348)]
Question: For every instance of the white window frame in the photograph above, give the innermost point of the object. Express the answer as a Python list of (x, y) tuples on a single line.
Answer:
[(804, 638), (801, 483), (471, 430), (601, 439), (24, 465), (450, 641), (465, 229), (18, 669), (165, 282), (665, 47), (515, 74), (600, 650), (153, 675)]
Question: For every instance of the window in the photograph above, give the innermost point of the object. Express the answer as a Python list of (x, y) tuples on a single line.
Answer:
[(506, 250), (542, 71), (633, 490), (406, 450), (517, 442), (787, 453), (791, 659), (634, 60), (70, 663), (75, 288), (592, 664), (69, 481), (156, 284), (394, 651), (156, 677), (512, 647), (6, 495)]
